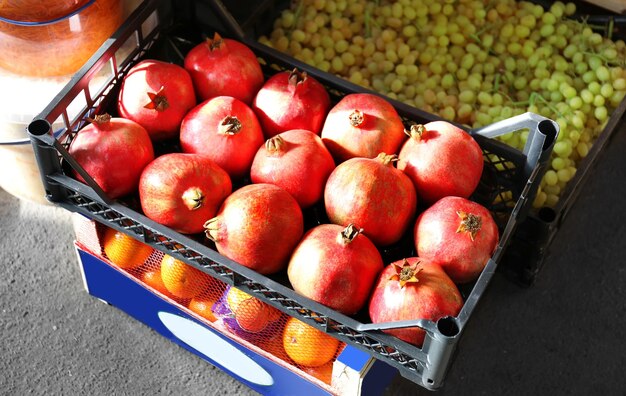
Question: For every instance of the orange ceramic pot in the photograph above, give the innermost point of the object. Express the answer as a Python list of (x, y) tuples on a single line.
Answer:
[(54, 39)]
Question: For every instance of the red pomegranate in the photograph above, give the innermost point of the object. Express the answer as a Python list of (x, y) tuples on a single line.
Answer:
[(257, 226), (156, 95), (226, 130), (297, 161), (182, 191), (441, 159), (291, 100), (362, 125), (114, 152), (410, 289), (224, 67), (373, 194), (458, 234), (335, 266)]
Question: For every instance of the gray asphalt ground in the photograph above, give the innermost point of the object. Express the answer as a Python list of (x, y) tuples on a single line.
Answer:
[(563, 336)]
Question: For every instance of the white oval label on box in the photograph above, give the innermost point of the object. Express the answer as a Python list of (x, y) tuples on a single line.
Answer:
[(216, 348)]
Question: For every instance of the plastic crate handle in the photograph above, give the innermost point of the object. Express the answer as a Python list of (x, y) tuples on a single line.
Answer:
[(542, 135), (43, 140)]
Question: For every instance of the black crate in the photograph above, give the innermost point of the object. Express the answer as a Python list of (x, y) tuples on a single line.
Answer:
[(507, 188)]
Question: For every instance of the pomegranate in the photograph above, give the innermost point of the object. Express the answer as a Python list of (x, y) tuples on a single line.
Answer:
[(182, 191), (156, 95), (258, 226), (297, 161), (291, 100), (114, 152), (224, 67), (410, 289), (441, 159), (373, 194), (226, 130), (362, 125), (458, 234), (335, 266)]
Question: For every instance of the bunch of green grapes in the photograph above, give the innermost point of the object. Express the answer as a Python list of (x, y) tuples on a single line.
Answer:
[(470, 61)]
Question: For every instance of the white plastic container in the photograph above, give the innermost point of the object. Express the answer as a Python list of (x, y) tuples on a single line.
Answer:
[(21, 99)]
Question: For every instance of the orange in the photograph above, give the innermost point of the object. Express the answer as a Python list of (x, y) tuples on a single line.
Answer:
[(307, 345), (251, 314), (202, 304), (152, 278), (125, 251), (274, 346), (323, 373), (181, 279), (203, 307)]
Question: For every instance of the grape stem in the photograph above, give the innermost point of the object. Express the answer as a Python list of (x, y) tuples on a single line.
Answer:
[(297, 14), (535, 95), (496, 82), (604, 59)]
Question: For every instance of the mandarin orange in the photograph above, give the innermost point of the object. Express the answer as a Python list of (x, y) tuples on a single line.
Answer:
[(123, 250), (181, 279), (306, 345)]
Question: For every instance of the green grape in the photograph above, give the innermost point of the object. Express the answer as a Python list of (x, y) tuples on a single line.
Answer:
[(550, 178), (602, 73), (287, 19), (464, 111), (540, 199), (619, 84), (599, 100), (617, 98), (483, 119), (587, 96), (348, 59), (594, 87), (582, 148), (551, 200), (563, 149), (356, 77), (298, 35), (606, 90), (547, 30), (507, 31), (558, 163), (448, 112), (324, 66), (601, 113), (575, 102), (522, 31)]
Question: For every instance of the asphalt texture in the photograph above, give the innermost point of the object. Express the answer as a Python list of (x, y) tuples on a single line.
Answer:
[(562, 336)]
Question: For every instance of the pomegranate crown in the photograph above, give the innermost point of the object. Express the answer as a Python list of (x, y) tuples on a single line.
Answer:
[(216, 42), (406, 273), (415, 131), (296, 77), (158, 101), (470, 223), (100, 118), (348, 234)]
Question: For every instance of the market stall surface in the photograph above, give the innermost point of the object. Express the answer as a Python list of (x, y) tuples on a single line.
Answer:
[(564, 335)]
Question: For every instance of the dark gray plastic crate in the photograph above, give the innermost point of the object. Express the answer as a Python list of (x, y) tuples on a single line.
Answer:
[(507, 188)]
